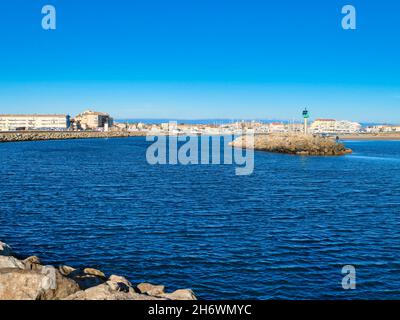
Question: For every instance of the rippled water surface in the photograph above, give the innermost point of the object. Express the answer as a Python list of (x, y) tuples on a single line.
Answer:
[(284, 232)]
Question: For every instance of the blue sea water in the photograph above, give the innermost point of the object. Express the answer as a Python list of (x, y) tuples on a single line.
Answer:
[(284, 232)]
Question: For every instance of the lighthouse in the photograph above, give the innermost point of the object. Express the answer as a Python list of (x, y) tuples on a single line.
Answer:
[(306, 115)]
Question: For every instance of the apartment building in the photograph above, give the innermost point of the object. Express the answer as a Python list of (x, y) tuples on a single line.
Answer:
[(93, 120), (277, 127), (295, 127), (334, 126), (383, 129), (392, 128), (344, 126), (323, 126), (12, 122)]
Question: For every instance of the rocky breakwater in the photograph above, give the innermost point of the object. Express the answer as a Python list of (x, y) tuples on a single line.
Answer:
[(29, 279), (62, 135), (299, 144)]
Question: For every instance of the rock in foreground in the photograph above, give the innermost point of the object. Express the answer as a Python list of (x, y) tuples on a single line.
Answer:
[(30, 280), (5, 249), (299, 144)]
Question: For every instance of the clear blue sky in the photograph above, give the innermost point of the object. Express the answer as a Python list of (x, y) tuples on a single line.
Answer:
[(202, 59)]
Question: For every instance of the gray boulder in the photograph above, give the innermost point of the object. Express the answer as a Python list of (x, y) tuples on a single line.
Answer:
[(18, 284), (5, 249)]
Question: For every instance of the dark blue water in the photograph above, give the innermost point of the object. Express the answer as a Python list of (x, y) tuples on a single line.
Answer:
[(284, 232)]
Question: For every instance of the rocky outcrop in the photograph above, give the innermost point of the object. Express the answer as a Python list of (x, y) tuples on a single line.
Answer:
[(107, 292), (29, 279), (299, 144), (10, 262), (63, 135)]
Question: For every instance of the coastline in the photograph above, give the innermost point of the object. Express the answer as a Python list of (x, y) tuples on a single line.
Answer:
[(21, 136), (29, 279)]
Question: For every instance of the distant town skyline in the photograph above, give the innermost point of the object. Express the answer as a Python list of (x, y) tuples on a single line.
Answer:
[(202, 60)]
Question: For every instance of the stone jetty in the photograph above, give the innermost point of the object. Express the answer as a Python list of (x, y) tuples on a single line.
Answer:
[(298, 144), (30, 279), (63, 135)]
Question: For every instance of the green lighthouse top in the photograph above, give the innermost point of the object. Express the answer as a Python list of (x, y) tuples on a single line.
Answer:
[(305, 114)]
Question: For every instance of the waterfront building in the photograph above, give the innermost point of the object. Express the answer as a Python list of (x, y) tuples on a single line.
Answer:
[(395, 128), (345, 126), (333, 126), (375, 129), (323, 126), (12, 122), (296, 127), (120, 126), (383, 128), (93, 120), (277, 127)]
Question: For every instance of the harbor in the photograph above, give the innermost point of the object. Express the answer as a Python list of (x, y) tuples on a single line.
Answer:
[(97, 203)]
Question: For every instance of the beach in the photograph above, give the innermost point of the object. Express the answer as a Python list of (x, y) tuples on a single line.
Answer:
[(372, 137)]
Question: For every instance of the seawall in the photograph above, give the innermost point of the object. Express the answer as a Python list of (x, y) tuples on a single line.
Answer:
[(18, 136)]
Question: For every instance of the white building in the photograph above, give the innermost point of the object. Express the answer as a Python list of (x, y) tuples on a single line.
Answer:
[(323, 126), (345, 126), (12, 122), (295, 127), (93, 120), (334, 126), (391, 129), (383, 128), (375, 129), (277, 127)]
